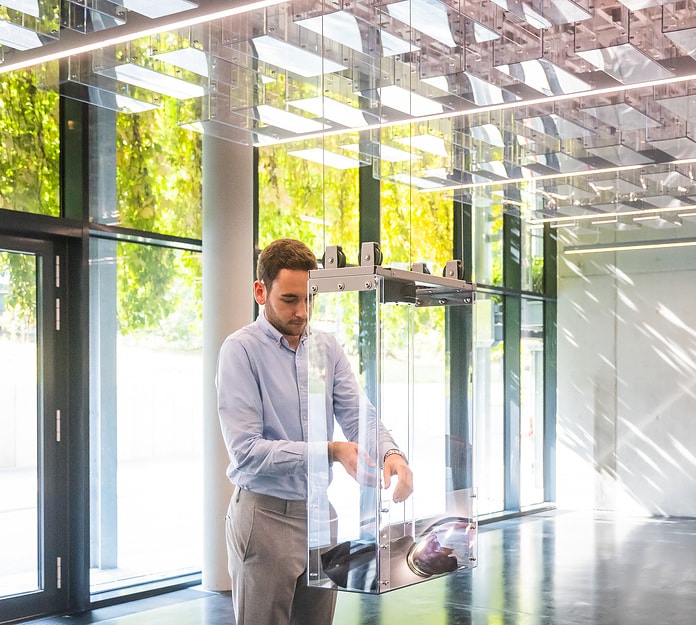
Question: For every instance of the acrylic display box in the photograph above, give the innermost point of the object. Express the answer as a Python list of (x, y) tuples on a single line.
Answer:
[(407, 338)]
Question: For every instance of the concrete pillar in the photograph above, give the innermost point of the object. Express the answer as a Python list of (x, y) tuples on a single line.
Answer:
[(228, 273)]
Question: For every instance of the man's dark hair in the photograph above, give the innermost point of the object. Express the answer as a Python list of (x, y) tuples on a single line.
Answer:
[(283, 254)]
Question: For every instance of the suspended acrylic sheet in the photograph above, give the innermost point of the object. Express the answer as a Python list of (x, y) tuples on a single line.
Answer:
[(390, 324)]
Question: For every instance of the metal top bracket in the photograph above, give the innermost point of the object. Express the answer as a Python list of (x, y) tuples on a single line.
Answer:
[(416, 286)]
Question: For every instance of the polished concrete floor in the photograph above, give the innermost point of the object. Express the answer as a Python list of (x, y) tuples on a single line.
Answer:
[(563, 568)]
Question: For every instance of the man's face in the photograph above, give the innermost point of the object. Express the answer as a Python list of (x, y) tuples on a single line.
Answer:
[(285, 303)]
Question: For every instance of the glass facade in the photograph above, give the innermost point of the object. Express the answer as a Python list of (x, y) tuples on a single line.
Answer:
[(489, 407), (138, 199), (146, 413), (532, 403), (19, 425)]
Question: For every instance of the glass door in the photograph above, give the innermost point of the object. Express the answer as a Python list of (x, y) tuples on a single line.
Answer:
[(32, 560)]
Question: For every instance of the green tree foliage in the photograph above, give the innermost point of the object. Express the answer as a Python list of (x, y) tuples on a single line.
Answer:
[(306, 201), (29, 176), (29, 145), (158, 173), (18, 292), (158, 177)]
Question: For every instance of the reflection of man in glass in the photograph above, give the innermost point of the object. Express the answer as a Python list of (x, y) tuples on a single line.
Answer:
[(262, 384)]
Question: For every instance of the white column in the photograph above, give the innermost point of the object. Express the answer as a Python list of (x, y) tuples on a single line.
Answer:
[(228, 273)]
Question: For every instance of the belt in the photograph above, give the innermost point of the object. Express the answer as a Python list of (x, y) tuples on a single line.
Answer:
[(293, 507)]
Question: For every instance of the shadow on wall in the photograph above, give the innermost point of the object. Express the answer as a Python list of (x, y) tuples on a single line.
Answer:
[(627, 385)]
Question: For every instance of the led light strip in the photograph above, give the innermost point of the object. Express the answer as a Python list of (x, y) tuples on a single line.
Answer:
[(160, 27), (628, 245), (570, 219)]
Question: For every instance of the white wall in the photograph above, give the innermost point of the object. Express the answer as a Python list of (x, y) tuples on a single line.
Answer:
[(627, 382)]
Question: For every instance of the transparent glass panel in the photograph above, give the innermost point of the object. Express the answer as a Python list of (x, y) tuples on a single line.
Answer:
[(146, 413), (361, 539), (532, 403), (29, 144), (489, 385), (19, 436)]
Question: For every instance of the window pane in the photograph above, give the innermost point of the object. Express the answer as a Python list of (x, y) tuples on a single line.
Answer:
[(146, 413), (29, 145), (532, 403), (487, 217), (489, 419), (532, 258), (416, 227), (291, 206), (152, 179), (19, 484)]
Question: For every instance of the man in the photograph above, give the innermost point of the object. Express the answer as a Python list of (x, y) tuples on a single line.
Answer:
[(262, 402)]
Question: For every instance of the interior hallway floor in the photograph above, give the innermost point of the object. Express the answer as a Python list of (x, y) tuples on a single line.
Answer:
[(550, 568)]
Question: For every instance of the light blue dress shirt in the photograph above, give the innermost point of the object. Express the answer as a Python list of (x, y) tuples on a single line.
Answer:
[(262, 386)]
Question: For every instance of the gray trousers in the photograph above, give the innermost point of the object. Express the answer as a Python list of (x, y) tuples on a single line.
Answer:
[(267, 560)]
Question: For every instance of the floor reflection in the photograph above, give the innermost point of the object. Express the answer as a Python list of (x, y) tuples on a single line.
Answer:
[(543, 569)]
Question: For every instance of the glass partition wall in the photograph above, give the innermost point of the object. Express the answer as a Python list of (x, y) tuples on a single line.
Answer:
[(366, 148)]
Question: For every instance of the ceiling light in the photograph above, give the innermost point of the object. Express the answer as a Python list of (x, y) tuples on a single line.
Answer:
[(406, 101), (668, 179), (488, 133), (626, 63), (337, 112), (682, 106), (85, 86), (666, 201), (327, 158), (678, 147), (608, 213), (106, 99), (556, 126), (415, 181), (287, 121), (524, 12), (481, 33), (147, 78), (565, 12), (429, 17), (425, 143), (347, 29), (622, 115), (29, 7), (685, 39), (156, 8), (384, 152), (190, 59), (659, 222), (619, 155), (297, 60), (18, 37)]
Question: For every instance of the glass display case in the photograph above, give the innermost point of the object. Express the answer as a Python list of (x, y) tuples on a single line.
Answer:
[(403, 339)]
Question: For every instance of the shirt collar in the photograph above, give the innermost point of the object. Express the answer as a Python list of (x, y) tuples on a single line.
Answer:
[(271, 331)]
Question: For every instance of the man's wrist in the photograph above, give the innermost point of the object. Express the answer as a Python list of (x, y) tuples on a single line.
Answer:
[(393, 451)]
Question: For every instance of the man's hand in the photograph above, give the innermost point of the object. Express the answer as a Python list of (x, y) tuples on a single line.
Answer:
[(395, 464), (355, 460)]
